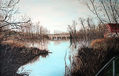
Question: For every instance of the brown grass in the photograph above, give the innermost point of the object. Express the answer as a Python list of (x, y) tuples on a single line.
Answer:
[(14, 43), (98, 43), (90, 60), (105, 43), (11, 58)]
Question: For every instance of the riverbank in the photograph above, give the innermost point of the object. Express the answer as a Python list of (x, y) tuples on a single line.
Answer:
[(90, 60), (21, 36), (12, 57)]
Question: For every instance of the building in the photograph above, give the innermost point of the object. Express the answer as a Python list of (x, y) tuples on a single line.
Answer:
[(113, 27), (112, 30)]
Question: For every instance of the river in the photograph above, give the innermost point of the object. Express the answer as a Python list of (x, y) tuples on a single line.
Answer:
[(51, 65)]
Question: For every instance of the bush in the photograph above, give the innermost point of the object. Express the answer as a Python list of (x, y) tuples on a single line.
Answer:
[(90, 60), (105, 44)]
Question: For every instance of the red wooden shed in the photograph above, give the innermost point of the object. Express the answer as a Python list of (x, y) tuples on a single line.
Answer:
[(112, 30), (112, 27)]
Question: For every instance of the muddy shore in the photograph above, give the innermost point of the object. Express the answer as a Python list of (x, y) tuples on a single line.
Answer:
[(11, 58)]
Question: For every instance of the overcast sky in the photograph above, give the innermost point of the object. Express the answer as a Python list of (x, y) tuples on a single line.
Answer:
[(54, 14)]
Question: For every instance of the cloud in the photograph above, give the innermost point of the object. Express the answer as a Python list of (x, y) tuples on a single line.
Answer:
[(53, 14)]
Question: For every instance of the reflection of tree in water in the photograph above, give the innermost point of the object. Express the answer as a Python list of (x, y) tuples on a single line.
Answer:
[(43, 45), (59, 41), (37, 58), (72, 58), (14, 57)]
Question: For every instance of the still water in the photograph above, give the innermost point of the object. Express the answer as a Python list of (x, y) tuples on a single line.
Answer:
[(52, 65)]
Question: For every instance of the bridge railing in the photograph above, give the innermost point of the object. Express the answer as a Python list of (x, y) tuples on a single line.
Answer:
[(113, 61)]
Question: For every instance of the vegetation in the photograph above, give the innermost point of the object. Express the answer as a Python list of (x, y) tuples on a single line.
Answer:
[(100, 50), (90, 60), (22, 28), (13, 36), (12, 57)]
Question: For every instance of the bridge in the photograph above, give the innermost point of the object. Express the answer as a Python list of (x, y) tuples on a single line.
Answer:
[(58, 36)]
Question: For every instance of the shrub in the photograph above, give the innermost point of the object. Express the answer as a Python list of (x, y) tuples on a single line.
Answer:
[(14, 43), (105, 44), (90, 60)]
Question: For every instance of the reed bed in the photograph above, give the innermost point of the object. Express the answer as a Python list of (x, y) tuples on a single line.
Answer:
[(90, 59)]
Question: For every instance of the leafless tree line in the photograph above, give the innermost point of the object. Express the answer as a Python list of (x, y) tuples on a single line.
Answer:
[(7, 11), (89, 31), (105, 11), (33, 31), (33, 28), (9, 23)]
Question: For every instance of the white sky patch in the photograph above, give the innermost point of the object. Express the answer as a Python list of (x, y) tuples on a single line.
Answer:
[(55, 15)]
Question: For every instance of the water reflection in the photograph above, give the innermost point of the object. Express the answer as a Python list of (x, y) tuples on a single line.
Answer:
[(52, 65), (43, 45), (37, 58)]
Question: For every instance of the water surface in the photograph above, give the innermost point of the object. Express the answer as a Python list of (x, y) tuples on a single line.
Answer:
[(52, 65)]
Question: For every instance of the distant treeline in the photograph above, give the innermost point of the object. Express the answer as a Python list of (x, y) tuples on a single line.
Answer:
[(88, 31), (21, 36)]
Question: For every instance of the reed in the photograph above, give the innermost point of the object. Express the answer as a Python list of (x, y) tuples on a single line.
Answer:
[(12, 57), (90, 60)]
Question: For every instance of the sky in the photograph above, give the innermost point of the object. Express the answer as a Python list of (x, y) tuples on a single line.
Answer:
[(55, 15)]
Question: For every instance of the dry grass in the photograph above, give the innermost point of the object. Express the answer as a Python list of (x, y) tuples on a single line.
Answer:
[(14, 43), (87, 62), (90, 60), (105, 43), (1, 36), (11, 58), (98, 43)]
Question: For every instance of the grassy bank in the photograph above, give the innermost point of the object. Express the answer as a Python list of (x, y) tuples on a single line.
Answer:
[(12, 57), (21, 36), (90, 60)]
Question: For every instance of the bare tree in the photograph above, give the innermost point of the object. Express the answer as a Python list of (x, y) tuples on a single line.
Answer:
[(73, 33), (7, 10), (7, 21), (105, 10)]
